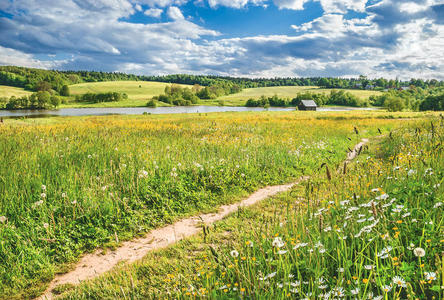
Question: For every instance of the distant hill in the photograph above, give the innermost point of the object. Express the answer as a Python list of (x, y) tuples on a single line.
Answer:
[(39, 79)]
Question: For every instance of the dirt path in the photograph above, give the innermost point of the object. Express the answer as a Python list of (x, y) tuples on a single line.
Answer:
[(356, 150), (97, 263)]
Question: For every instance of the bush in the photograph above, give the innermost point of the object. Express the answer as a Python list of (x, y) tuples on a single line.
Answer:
[(64, 91), (55, 101), (102, 97), (394, 104), (344, 98), (151, 103), (433, 103), (39, 100)]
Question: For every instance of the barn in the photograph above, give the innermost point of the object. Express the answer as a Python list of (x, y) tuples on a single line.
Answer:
[(307, 105)]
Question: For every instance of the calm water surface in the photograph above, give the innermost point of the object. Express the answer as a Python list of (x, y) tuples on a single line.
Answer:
[(140, 110)]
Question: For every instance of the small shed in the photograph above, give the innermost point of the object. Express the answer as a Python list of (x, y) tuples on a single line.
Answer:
[(307, 105)]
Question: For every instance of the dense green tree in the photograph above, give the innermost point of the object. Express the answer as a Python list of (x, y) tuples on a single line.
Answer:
[(435, 102), (151, 103), (101, 97), (393, 103), (43, 86), (43, 99), (55, 101), (64, 91)]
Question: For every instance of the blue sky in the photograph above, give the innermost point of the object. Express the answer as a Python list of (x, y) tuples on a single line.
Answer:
[(254, 38)]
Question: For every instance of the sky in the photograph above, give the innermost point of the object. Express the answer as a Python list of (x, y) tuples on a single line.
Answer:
[(252, 38)]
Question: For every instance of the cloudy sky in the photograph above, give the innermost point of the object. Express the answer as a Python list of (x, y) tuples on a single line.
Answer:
[(266, 38)]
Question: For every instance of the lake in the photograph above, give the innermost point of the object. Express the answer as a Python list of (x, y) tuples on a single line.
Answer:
[(99, 111)]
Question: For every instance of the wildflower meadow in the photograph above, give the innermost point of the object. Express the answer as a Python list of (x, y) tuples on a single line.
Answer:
[(371, 228)]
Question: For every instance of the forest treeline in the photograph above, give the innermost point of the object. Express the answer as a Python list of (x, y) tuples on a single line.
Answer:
[(415, 94), (39, 79), (38, 100), (336, 97), (47, 100), (414, 99), (183, 96), (101, 97)]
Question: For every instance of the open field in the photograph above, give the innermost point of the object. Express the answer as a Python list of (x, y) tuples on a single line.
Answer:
[(137, 96), (70, 185), (371, 230), (9, 91), (283, 91)]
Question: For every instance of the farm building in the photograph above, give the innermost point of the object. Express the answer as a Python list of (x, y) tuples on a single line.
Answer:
[(307, 105)]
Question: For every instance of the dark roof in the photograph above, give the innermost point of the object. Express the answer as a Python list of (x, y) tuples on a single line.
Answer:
[(308, 103)]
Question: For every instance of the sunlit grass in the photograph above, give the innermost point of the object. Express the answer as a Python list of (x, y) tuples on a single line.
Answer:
[(139, 92), (69, 185), (285, 91), (372, 231), (9, 91)]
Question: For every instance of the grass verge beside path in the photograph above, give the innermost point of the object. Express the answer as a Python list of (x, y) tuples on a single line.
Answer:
[(373, 230)]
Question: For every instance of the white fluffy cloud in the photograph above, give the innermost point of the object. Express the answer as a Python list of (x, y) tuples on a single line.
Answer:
[(397, 38), (341, 6), (160, 3), (290, 4), (234, 3), (10, 56), (175, 13), (411, 7), (154, 12)]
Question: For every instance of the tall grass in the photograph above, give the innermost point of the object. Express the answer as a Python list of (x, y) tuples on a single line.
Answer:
[(71, 185), (371, 231), (375, 232)]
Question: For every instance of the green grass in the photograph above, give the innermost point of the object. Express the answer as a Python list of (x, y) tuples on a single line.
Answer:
[(9, 91), (137, 96), (70, 185), (352, 233), (282, 91)]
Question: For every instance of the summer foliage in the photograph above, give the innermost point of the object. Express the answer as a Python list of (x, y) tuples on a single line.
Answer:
[(414, 95), (336, 97), (39, 100), (369, 230), (101, 97), (70, 185), (33, 79)]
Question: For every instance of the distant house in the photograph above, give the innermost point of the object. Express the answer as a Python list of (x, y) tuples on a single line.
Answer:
[(370, 87), (307, 105), (405, 88)]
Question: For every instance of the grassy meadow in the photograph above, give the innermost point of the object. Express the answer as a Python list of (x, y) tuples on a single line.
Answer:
[(371, 230), (139, 92), (138, 96), (70, 185), (9, 91), (283, 92)]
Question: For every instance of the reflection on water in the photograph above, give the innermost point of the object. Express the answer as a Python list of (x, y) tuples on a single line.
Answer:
[(140, 110)]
